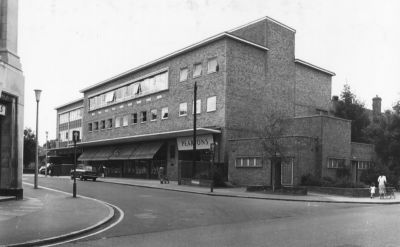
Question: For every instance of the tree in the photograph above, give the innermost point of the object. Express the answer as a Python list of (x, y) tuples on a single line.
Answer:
[(349, 107), (29, 147)]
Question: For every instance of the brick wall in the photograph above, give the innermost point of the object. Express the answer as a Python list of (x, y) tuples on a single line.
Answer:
[(313, 91)]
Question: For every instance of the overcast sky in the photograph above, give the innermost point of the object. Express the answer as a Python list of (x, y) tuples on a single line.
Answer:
[(67, 45)]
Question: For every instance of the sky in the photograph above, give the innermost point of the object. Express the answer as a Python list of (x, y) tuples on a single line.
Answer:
[(68, 45)]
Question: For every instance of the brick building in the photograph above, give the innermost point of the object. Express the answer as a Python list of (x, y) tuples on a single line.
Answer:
[(11, 103), (142, 119)]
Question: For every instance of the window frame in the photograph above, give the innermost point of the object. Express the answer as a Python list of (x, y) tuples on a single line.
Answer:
[(180, 74), (215, 104), (125, 119), (118, 122), (90, 127), (196, 65), (216, 66), (109, 123), (143, 116), (134, 118), (153, 115), (163, 113), (334, 163), (179, 110), (102, 124), (198, 107), (246, 161)]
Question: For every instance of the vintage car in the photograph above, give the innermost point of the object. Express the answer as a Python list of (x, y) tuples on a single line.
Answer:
[(84, 172)]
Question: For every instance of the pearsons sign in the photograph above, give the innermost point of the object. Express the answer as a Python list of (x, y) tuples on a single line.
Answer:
[(203, 142)]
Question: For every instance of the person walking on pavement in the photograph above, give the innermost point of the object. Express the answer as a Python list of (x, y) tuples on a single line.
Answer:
[(381, 184), (372, 190), (161, 174)]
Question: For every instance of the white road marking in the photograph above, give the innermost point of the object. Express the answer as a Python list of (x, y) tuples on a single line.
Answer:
[(121, 216)]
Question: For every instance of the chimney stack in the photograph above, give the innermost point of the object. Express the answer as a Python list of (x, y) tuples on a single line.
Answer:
[(334, 104)]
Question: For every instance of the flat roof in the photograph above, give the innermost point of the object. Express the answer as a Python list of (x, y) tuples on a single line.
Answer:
[(69, 103), (176, 53), (149, 137), (299, 61)]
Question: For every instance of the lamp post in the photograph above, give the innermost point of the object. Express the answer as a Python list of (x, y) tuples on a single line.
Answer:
[(75, 138), (37, 95), (194, 129), (47, 148)]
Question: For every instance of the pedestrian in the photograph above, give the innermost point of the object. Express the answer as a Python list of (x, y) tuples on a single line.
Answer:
[(161, 174), (381, 184), (372, 190)]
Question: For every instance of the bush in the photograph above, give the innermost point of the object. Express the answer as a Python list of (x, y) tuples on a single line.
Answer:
[(310, 180)]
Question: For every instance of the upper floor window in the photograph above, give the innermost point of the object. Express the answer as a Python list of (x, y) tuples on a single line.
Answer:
[(248, 162), (149, 85), (75, 115), (197, 70), (212, 65), (183, 109), (153, 115), (143, 116), (336, 163), (134, 118), (109, 123), (64, 118), (125, 120), (103, 124), (117, 122), (183, 75), (164, 113), (90, 127), (198, 106), (96, 126), (211, 104)]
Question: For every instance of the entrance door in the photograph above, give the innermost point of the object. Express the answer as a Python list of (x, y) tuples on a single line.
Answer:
[(276, 172), (287, 172)]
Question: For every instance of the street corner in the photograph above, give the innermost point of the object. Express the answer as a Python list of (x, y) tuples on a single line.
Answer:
[(47, 216)]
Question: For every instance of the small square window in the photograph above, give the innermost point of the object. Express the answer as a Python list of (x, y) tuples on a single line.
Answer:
[(182, 109), (198, 106), (143, 116), (153, 115), (212, 65), (211, 104), (103, 124), (134, 118), (164, 113), (117, 122), (90, 127), (125, 120), (109, 123), (183, 75), (197, 70)]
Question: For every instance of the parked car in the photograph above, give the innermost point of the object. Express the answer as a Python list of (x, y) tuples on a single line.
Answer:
[(84, 172), (42, 169)]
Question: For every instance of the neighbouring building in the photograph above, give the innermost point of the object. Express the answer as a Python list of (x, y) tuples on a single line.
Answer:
[(142, 119), (11, 103)]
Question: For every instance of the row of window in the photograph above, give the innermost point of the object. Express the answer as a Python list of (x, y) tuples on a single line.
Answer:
[(66, 135), (248, 162), (212, 66), (211, 106), (340, 163), (140, 88), (70, 116)]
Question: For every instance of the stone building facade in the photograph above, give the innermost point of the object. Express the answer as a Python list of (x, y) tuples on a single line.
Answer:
[(142, 119), (11, 103)]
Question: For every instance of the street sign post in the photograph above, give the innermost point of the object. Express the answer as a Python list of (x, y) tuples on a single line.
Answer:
[(75, 138)]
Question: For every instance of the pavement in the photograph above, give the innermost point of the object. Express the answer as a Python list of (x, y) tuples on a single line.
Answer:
[(46, 215)]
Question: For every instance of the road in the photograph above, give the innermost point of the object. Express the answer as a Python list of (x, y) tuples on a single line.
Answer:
[(167, 218)]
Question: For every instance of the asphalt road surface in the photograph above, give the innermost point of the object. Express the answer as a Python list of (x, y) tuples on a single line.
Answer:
[(167, 218)]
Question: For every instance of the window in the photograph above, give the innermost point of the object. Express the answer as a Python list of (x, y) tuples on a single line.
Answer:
[(336, 163), (75, 115), (211, 104), (183, 75), (64, 118), (149, 85), (125, 120), (103, 124), (248, 162), (363, 165), (96, 126), (153, 115), (212, 65), (109, 123), (117, 122), (182, 109), (66, 135), (143, 116), (197, 70), (90, 127), (164, 113), (198, 106), (134, 118)]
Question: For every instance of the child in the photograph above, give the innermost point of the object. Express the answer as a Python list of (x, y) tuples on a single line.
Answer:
[(372, 190)]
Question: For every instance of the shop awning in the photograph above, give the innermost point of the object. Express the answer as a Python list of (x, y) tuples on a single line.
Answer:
[(123, 152), (146, 150), (87, 154), (103, 153)]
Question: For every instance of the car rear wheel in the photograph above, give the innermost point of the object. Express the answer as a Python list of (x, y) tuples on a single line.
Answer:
[(94, 179)]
